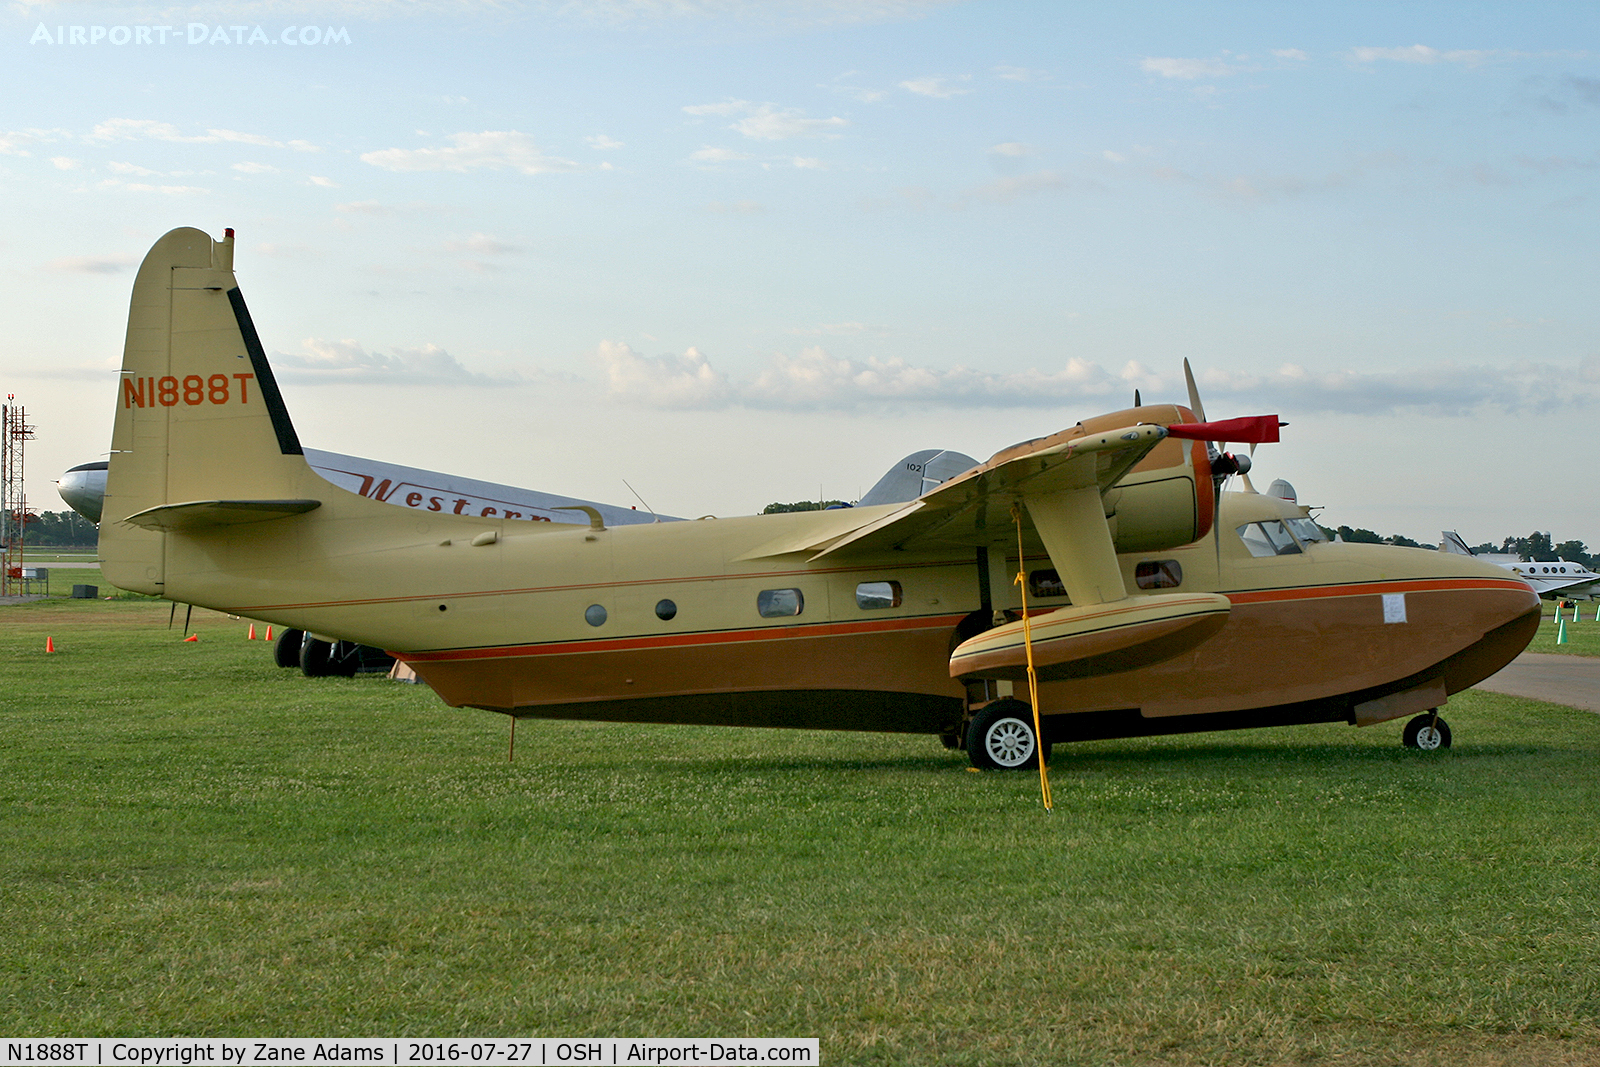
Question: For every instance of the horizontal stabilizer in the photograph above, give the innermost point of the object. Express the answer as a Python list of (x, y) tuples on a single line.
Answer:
[(201, 514)]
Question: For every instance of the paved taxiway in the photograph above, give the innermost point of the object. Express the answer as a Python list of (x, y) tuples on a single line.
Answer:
[(1570, 680)]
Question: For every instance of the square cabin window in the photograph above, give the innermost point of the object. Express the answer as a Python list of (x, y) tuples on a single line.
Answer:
[(1043, 583), (872, 596), (777, 603), (1158, 574)]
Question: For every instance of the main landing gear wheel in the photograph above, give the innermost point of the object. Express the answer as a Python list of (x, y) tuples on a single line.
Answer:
[(1001, 737), (286, 649), (1427, 732)]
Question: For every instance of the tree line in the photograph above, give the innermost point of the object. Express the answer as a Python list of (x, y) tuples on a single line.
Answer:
[(58, 528)]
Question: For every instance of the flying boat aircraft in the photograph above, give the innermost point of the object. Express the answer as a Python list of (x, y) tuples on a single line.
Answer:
[(1155, 602)]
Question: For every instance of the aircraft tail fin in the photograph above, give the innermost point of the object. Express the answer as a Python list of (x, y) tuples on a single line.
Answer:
[(199, 419), (1452, 542)]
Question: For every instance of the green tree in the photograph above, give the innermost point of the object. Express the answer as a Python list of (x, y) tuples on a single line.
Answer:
[(802, 505), (59, 528)]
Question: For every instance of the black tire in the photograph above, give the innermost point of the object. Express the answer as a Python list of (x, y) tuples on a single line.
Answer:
[(1426, 732), (314, 656), (286, 649), (1001, 737), (344, 658)]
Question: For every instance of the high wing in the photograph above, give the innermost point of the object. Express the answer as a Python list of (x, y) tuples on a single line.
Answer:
[(975, 508)]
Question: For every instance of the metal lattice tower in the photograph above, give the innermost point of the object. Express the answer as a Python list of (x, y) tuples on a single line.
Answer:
[(14, 431)]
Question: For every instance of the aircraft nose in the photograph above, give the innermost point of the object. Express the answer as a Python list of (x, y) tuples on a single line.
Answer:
[(84, 489), (1505, 609)]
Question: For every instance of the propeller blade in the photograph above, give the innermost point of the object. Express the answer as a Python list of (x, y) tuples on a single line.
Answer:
[(1252, 429), (1194, 392)]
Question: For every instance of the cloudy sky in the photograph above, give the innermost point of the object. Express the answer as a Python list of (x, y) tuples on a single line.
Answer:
[(738, 252)]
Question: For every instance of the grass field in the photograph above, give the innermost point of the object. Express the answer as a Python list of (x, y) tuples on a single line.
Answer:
[(202, 844)]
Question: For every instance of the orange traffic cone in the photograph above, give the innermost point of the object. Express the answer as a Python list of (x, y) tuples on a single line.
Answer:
[(192, 637), (49, 644), (252, 636), (269, 632)]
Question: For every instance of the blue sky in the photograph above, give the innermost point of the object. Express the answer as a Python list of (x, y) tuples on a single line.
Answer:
[(740, 252)]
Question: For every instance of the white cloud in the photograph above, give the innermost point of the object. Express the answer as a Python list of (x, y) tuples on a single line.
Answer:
[(92, 264), (254, 168), (709, 154), (1185, 69), (65, 163), (601, 142), (483, 245), (323, 362), (489, 150), (140, 129), (1011, 148), (1291, 53), (116, 167), (1020, 74), (667, 381), (816, 379), (768, 122), (938, 88), (808, 163), (16, 142), (236, 137), (326, 183), (1420, 53), (144, 187), (1006, 190)]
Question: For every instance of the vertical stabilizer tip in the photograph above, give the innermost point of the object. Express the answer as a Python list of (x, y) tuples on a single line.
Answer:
[(227, 234)]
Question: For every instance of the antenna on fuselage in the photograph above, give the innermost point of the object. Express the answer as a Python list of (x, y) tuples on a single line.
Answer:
[(653, 516)]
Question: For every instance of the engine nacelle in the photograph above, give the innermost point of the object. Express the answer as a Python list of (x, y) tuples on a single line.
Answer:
[(1165, 501)]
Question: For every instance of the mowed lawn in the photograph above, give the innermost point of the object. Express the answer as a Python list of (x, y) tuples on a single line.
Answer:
[(199, 843)]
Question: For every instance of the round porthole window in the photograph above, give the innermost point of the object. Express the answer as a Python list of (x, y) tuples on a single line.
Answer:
[(665, 609), (594, 615)]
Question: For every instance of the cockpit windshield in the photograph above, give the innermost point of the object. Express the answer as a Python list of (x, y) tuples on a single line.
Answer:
[(1270, 538)]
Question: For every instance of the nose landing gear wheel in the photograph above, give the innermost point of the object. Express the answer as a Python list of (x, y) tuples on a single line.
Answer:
[(1001, 737), (1427, 732)]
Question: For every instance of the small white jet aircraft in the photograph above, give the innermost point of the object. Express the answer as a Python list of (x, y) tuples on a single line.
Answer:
[(1552, 579), (1155, 602)]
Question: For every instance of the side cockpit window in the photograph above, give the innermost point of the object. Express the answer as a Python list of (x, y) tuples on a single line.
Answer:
[(1307, 531), (1268, 539)]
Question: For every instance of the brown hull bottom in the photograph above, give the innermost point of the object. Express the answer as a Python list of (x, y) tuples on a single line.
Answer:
[(801, 709), (919, 713), (877, 711)]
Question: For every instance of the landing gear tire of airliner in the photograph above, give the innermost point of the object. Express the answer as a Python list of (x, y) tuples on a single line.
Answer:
[(1001, 737), (1427, 732)]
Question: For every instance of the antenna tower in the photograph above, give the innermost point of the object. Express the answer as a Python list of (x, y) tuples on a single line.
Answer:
[(14, 430)]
